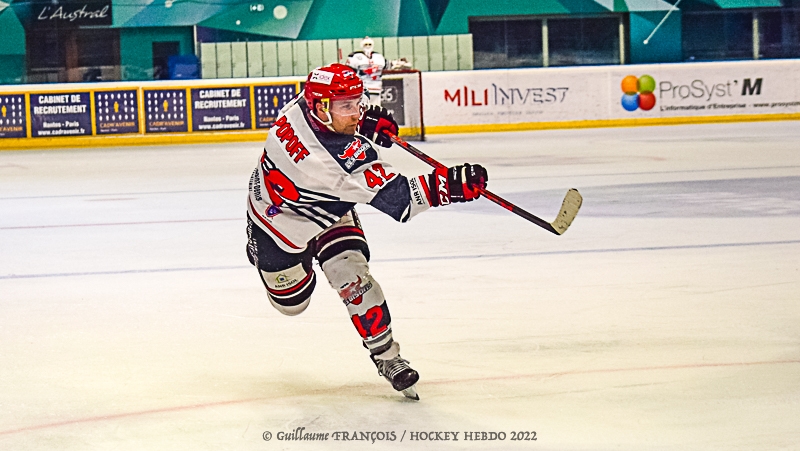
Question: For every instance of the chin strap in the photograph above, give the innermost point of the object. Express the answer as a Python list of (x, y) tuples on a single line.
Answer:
[(300, 98), (327, 108), (328, 124)]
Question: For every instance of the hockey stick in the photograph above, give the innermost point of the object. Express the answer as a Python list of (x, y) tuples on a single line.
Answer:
[(569, 207)]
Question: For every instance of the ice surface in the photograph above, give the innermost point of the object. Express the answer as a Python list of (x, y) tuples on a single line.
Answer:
[(667, 317)]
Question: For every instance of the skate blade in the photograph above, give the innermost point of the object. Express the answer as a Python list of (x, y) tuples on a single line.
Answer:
[(411, 392)]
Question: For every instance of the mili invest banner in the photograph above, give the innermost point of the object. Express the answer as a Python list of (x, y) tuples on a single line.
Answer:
[(512, 96), (609, 95)]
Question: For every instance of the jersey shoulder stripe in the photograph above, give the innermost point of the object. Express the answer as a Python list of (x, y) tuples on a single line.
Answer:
[(307, 212)]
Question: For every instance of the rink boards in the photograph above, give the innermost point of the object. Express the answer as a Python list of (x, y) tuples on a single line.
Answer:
[(125, 113), (192, 111), (659, 94)]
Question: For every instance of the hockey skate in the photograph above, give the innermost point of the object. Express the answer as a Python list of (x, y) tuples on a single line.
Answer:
[(396, 370)]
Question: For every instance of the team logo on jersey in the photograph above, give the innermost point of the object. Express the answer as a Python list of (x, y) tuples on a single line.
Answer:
[(273, 211), (354, 152), (353, 293)]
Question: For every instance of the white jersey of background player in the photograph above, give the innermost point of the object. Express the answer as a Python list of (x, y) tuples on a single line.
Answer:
[(320, 159), (369, 65)]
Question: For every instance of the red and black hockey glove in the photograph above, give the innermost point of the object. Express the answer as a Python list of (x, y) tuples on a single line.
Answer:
[(375, 121), (457, 184)]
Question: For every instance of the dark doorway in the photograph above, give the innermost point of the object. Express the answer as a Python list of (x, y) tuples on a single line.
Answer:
[(68, 54), (506, 42), (161, 53)]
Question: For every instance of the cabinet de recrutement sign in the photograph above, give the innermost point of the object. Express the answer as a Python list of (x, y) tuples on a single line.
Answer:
[(70, 13)]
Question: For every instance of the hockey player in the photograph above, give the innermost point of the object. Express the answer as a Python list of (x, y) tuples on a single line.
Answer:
[(319, 160), (370, 66)]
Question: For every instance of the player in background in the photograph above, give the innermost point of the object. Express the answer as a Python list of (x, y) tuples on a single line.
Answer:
[(370, 66), (320, 159)]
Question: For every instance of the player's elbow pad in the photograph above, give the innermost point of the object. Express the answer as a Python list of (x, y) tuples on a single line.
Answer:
[(403, 198)]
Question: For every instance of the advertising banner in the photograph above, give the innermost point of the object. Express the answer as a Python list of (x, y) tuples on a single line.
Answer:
[(453, 101), (512, 96), (269, 100), (13, 123), (116, 112), (216, 109), (610, 93), (60, 114), (708, 89), (165, 110)]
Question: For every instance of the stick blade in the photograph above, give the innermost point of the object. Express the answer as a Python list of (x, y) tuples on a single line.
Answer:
[(569, 209)]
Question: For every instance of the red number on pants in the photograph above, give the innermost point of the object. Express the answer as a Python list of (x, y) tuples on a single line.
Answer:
[(374, 316)]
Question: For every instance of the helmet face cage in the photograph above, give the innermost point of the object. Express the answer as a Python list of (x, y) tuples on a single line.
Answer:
[(367, 45)]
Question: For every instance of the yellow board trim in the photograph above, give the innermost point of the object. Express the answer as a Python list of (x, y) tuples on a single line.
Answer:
[(189, 110), (606, 123), (252, 95), (29, 132), (92, 114), (261, 134), (131, 140)]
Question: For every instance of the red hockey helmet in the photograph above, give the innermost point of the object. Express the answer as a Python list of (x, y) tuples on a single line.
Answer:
[(333, 82)]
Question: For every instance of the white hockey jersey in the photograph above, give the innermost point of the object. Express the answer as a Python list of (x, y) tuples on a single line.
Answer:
[(369, 69), (309, 177)]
